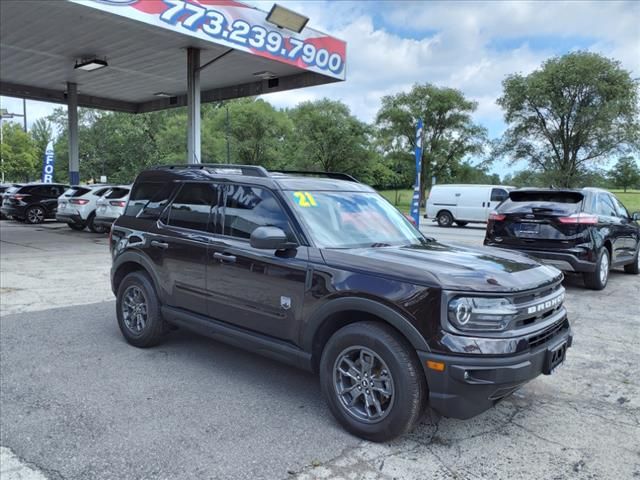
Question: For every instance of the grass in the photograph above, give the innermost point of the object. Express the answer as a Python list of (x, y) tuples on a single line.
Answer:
[(402, 198)]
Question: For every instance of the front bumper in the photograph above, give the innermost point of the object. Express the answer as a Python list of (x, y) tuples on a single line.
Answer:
[(566, 261), (470, 385)]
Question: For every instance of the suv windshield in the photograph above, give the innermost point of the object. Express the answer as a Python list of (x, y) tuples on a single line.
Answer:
[(353, 220)]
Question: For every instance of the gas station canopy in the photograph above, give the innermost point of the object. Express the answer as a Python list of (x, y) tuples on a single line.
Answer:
[(144, 43)]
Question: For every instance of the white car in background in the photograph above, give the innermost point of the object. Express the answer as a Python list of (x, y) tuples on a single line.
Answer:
[(112, 205), (77, 206), (464, 204)]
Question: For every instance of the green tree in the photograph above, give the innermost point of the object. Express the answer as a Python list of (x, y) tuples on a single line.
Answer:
[(625, 173), (330, 139), (572, 113), (19, 159), (449, 131)]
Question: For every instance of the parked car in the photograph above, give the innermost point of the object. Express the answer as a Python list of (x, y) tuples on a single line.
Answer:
[(77, 207), (327, 275), (112, 205), (7, 189), (34, 202), (463, 204), (586, 231)]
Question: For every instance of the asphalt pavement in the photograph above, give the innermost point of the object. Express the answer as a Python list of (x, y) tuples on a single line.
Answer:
[(77, 402)]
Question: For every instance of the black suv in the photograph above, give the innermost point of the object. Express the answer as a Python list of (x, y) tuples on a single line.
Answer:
[(33, 203), (587, 231), (325, 274)]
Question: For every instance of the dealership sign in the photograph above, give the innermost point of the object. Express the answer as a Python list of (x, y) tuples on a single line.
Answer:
[(238, 26), (48, 163)]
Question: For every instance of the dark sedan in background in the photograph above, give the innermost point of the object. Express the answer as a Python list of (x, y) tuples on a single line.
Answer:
[(33, 203), (587, 231)]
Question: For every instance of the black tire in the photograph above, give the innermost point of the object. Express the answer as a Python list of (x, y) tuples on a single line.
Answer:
[(35, 215), (634, 267), (76, 226), (152, 331), (444, 218), (598, 279), (461, 224), (408, 384), (93, 227)]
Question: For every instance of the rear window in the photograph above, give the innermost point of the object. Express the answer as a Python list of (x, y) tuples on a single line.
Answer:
[(76, 192), (550, 196), (118, 193)]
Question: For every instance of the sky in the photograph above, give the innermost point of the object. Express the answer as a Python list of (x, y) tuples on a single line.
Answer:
[(468, 45)]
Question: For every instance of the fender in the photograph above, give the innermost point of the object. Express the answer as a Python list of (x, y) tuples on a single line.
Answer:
[(389, 315), (142, 260)]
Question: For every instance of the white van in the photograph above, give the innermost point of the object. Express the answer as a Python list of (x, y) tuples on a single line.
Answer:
[(464, 204)]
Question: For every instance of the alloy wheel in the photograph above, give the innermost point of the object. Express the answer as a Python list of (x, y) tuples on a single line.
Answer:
[(363, 384), (604, 268), (35, 215), (134, 309)]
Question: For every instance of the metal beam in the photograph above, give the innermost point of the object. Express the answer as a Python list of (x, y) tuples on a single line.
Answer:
[(59, 96), (72, 116), (193, 105)]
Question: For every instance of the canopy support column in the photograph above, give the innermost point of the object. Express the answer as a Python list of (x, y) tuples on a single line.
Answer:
[(193, 105), (72, 116)]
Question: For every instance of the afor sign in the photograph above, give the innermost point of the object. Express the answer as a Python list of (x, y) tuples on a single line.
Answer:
[(48, 164)]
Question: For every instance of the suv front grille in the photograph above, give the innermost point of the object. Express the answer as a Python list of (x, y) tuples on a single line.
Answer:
[(548, 333), (537, 306)]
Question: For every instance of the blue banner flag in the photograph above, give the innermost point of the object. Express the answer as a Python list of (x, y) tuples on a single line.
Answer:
[(48, 162), (415, 202)]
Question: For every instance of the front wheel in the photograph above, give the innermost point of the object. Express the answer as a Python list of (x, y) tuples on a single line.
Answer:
[(35, 215), (92, 225), (634, 267), (597, 279), (445, 219), (372, 381)]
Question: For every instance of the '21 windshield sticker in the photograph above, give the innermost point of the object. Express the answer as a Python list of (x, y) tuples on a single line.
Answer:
[(305, 199), (213, 23)]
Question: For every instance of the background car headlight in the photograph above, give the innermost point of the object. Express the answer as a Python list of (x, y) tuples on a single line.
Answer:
[(481, 313)]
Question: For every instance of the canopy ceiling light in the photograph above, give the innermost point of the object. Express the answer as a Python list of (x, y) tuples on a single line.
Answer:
[(163, 94), (265, 75), (90, 64), (284, 18)]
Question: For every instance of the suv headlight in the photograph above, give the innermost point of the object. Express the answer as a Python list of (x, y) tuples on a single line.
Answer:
[(481, 313)]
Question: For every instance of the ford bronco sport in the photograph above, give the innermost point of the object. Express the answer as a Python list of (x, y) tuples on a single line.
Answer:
[(325, 274)]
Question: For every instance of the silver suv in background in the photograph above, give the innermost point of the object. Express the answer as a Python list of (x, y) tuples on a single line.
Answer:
[(77, 206), (111, 205)]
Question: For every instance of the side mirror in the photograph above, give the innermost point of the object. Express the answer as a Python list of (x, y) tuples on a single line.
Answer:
[(636, 216), (269, 238)]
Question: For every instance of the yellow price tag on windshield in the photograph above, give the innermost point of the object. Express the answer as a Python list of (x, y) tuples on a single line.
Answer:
[(305, 199)]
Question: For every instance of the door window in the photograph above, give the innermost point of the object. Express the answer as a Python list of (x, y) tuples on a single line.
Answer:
[(498, 195), (605, 206), (192, 206), (147, 198), (620, 208), (247, 208)]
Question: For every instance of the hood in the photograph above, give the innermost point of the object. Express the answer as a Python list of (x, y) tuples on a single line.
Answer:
[(448, 266)]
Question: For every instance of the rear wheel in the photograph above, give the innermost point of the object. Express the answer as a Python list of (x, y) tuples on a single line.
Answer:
[(372, 381), (635, 266), (444, 218), (35, 215), (461, 224), (597, 279), (76, 226), (92, 225), (138, 311)]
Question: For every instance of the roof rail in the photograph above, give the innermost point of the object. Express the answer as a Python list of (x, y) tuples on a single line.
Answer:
[(332, 175), (249, 170)]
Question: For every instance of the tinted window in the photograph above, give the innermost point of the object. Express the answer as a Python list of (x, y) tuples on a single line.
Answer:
[(558, 201), (117, 192), (620, 208), (192, 205), (247, 208), (144, 194), (604, 206), (98, 192), (76, 192), (498, 195)]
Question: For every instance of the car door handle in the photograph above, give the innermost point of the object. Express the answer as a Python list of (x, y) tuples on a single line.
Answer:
[(224, 257), (156, 243)]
